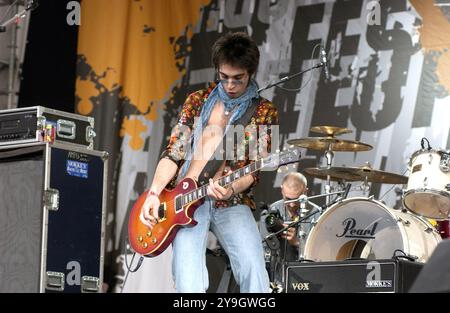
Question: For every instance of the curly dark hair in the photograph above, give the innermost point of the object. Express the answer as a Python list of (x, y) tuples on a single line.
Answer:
[(236, 49)]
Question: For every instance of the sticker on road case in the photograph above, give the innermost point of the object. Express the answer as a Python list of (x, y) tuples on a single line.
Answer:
[(77, 169)]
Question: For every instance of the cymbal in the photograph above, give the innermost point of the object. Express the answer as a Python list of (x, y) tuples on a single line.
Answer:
[(330, 130), (333, 172), (329, 143), (357, 174)]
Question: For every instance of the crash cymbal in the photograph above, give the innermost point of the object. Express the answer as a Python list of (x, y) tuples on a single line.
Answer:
[(330, 130), (357, 174), (333, 172), (329, 143)]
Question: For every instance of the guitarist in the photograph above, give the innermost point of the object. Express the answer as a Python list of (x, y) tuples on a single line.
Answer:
[(226, 211)]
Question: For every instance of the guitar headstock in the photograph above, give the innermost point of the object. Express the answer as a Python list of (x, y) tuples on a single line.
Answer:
[(285, 157)]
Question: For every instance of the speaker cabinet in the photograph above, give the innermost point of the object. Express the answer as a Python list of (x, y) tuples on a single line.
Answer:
[(352, 276)]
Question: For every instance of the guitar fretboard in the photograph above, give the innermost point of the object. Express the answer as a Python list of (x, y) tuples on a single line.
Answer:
[(224, 181)]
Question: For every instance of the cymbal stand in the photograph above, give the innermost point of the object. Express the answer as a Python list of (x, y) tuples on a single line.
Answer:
[(365, 187), (329, 155)]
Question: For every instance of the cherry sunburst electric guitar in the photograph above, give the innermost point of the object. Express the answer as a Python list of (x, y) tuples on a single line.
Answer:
[(179, 204)]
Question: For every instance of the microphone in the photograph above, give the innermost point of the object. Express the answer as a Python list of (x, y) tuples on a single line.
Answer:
[(323, 59), (303, 199)]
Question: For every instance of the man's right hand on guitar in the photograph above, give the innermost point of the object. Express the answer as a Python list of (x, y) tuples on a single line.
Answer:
[(149, 211)]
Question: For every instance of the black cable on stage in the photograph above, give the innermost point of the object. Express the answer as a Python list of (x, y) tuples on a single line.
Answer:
[(309, 78), (422, 144), (403, 256), (129, 270)]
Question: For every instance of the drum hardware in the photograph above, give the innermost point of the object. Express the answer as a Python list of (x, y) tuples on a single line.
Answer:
[(404, 222), (429, 229), (329, 155), (445, 162)]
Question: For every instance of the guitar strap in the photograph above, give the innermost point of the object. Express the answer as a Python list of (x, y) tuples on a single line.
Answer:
[(214, 164)]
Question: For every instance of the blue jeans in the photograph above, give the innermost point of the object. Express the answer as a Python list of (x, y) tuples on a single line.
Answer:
[(236, 230)]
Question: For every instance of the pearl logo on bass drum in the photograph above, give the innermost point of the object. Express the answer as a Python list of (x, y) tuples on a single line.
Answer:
[(362, 233)]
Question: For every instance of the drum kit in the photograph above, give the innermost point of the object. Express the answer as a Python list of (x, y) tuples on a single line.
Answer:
[(366, 228)]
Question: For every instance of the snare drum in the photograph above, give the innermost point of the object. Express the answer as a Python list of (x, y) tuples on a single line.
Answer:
[(428, 190), (365, 228)]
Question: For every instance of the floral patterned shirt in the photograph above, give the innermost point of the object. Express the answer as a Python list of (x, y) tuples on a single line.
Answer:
[(265, 114)]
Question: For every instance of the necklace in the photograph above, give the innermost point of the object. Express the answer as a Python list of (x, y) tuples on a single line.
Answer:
[(227, 112)]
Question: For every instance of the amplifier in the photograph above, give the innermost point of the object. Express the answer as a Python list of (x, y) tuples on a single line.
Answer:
[(40, 124), (352, 276)]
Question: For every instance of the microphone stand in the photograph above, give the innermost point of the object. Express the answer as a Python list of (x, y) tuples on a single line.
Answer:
[(317, 196), (295, 223), (287, 78)]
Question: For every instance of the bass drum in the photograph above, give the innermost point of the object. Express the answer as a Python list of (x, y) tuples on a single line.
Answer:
[(365, 228)]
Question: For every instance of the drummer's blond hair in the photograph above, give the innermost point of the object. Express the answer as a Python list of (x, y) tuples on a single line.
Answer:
[(294, 180)]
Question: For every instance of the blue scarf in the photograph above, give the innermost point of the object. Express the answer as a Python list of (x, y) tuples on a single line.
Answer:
[(219, 93)]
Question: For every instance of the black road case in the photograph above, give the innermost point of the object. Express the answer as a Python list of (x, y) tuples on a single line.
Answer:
[(39, 124), (52, 218)]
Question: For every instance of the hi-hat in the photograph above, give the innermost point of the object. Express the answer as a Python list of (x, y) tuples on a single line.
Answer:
[(330, 143), (357, 174), (330, 130)]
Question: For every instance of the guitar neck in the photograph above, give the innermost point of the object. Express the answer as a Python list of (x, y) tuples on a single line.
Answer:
[(224, 181)]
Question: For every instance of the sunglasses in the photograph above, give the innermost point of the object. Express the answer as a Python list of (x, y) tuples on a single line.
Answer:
[(234, 82)]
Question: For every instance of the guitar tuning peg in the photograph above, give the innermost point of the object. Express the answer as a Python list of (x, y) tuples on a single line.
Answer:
[(279, 170)]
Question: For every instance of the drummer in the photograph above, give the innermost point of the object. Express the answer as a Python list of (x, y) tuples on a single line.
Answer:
[(292, 241)]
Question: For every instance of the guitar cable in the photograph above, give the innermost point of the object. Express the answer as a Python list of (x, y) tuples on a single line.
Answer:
[(128, 266)]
